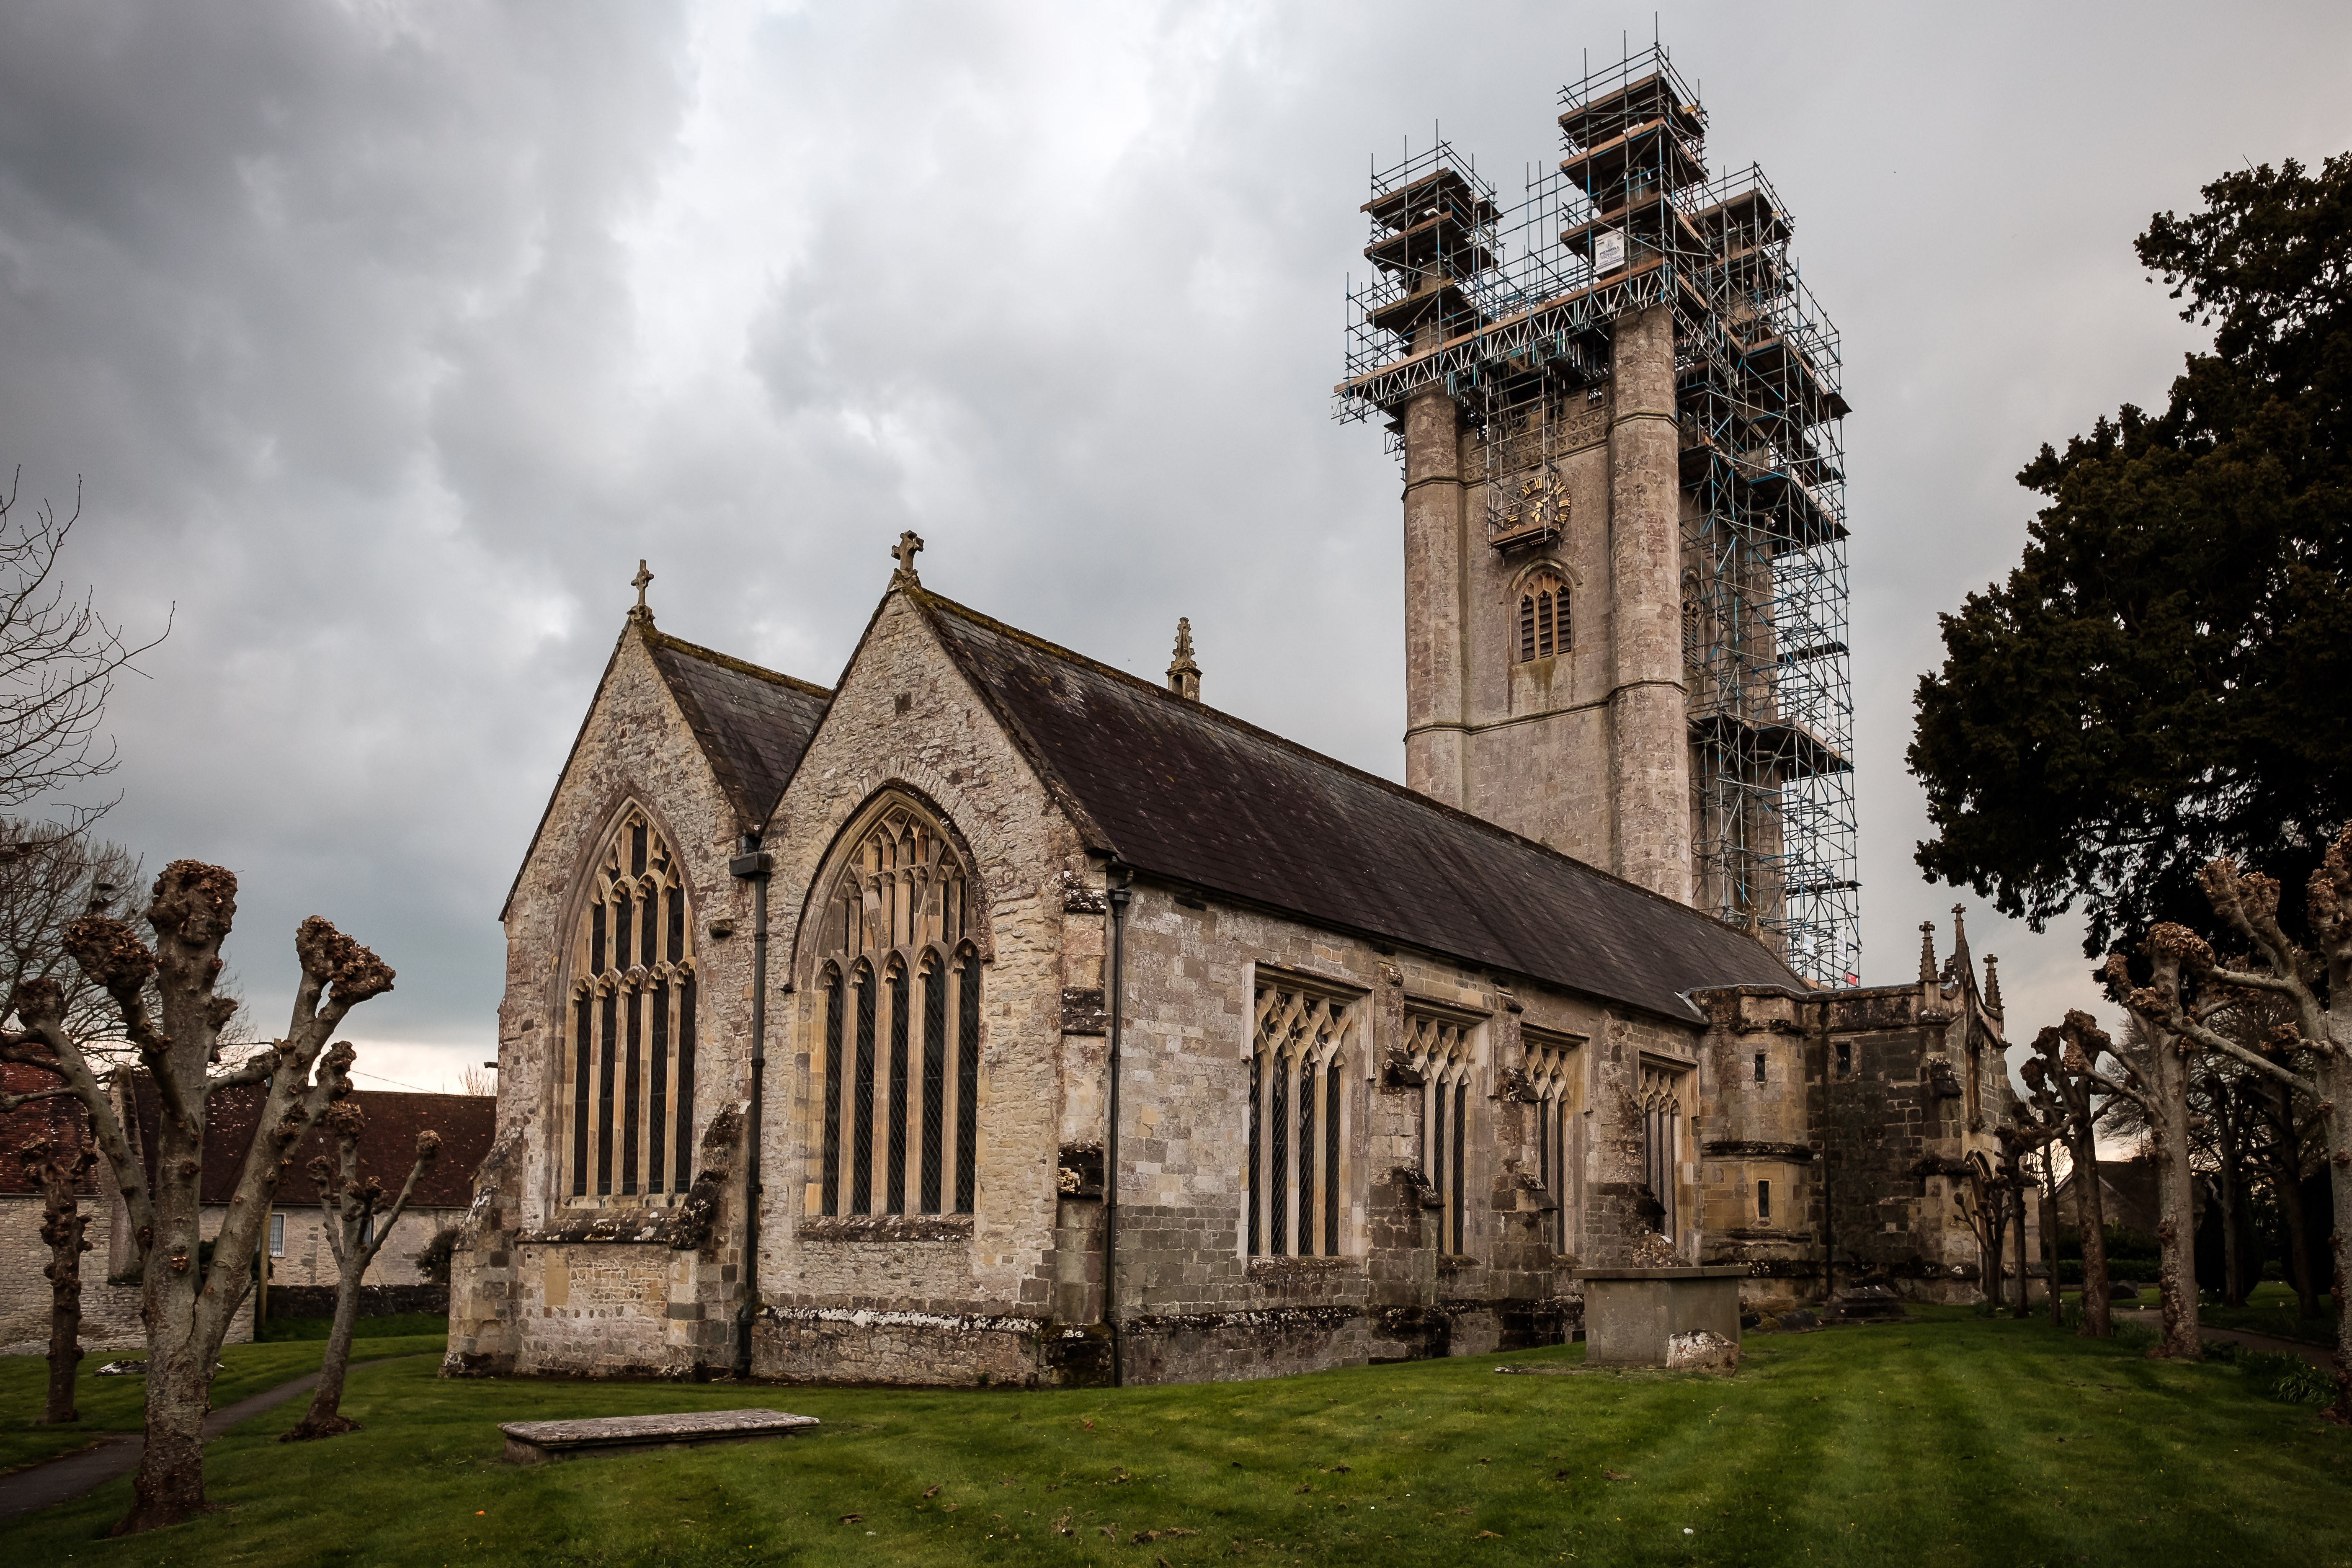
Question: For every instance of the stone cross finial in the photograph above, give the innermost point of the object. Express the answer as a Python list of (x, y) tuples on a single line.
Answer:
[(1184, 674), (909, 544), (640, 581)]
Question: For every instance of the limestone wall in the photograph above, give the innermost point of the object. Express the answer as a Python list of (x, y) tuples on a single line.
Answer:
[(307, 1259), (601, 1309), (635, 748), (110, 1313), (906, 720)]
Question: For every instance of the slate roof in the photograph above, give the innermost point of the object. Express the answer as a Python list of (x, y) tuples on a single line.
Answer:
[(467, 1123), (754, 724), (1178, 789)]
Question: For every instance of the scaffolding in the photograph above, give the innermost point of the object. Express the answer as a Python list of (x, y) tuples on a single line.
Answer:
[(1510, 312)]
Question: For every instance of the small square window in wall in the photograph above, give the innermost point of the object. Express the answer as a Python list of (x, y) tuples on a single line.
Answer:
[(278, 1236), (1763, 1200)]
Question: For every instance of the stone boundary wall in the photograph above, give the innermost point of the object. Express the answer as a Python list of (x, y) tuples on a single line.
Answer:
[(375, 1300), (110, 1313)]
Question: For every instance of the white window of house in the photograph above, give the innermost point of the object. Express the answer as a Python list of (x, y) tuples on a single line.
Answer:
[(367, 1230), (278, 1236)]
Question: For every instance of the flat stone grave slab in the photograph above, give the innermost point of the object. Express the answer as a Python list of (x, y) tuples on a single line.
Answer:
[(533, 1442)]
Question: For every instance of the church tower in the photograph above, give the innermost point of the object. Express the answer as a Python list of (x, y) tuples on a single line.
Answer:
[(1617, 412)]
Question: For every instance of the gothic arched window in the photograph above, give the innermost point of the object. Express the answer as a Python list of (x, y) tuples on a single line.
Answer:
[(1298, 1105), (1439, 1049), (1661, 1121), (1550, 1065), (898, 995), (631, 1046), (1543, 616)]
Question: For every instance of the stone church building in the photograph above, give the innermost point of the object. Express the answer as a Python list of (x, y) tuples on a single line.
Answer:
[(1389, 1073), (993, 1016)]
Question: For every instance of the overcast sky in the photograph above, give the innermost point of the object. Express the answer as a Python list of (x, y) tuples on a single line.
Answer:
[(386, 338)]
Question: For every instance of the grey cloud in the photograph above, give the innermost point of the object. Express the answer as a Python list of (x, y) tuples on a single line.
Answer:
[(390, 337)]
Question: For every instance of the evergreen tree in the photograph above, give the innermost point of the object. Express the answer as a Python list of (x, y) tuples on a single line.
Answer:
[(2161, 680)]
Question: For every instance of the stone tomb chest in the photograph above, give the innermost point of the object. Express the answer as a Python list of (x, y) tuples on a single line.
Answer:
[(535, 1442), (1678, 1318)]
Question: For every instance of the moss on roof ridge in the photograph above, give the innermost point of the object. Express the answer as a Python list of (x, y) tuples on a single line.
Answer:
[(739, 666)]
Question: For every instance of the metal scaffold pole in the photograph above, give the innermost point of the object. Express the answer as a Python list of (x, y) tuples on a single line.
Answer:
[(1512, 312)]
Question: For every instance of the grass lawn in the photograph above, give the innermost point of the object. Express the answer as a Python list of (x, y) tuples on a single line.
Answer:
[(1950, 1439), (118, 1403), (393, 1326)]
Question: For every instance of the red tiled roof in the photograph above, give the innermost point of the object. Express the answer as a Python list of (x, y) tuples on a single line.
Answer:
[(465, 1122), (61, 1119)]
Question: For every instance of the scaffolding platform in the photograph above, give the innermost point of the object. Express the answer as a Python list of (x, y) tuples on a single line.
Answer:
[(1511, 312)]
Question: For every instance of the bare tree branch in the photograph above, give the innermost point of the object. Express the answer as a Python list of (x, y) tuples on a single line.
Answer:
[(58, 658)]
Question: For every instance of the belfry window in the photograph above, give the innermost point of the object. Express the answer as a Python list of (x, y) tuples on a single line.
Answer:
[(1439, 1049), (1298, 1108), (1543, 616), (630, 1044), (897, 1000)]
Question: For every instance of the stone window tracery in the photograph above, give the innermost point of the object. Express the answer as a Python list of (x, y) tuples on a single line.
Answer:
[(1550, 1070), (1661, 1105), (1439, 1050), (1301, 1041), (631, 1055), (898, 985), (1543, 623)]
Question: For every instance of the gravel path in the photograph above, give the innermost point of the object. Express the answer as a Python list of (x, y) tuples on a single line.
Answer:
[(2319, 1356)]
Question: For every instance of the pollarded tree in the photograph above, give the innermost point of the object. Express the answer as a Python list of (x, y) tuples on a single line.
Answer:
[(52, 874), (2154, 1064), (2061, 1075), (189, 1304), (1987, 1194), (357, 1224), (55, 1160), (2316, 980)]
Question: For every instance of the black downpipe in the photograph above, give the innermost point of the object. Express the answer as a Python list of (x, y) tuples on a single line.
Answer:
[(1120, 895), (753, 864), (1829, 1170)]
